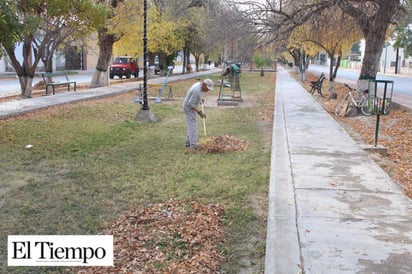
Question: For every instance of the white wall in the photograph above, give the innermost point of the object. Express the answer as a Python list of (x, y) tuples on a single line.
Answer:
[(2, 65), (388, 61)]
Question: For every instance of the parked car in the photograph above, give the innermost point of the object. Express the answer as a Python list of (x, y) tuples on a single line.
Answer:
[(124, 66)]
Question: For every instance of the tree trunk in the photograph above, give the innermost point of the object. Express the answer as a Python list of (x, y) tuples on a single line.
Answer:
[(184, 60), (187, 57), (26, 86), (374, 42), (332, 93), (332, 75), (47, 59), (335, 71), (304, 64), (197, 61), (374, 27), (100, 77), (48, 65), (397, 61), (295, 53), (196, 55), (25, 72)]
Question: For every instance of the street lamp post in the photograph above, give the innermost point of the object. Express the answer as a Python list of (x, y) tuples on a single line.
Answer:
[(145, 102), (145, 114)]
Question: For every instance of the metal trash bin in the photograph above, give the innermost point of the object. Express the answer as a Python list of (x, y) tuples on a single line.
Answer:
[(380, 100), (380, 96)]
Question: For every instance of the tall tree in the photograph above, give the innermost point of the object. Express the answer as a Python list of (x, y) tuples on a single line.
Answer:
[(211, 27), (196, 35), (165, 34), (403, 32), (372, 16), (374, 19), (180, 32), (332, 31), (107, 35), (128, 23), (39, 26)]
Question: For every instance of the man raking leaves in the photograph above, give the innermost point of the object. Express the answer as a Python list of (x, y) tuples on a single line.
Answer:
[(193, 99)]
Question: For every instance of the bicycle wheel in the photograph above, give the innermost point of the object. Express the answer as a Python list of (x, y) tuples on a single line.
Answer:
[(342, 106), (366, 108)]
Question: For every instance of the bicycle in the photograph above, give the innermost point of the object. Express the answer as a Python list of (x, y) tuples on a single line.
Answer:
[(353, 99)]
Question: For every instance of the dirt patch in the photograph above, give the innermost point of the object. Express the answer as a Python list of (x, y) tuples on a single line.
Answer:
[(246, 102)]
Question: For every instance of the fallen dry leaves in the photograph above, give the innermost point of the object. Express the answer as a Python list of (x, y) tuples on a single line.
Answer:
[(267, 112), (395, 131), (222, 144), (171, 237)]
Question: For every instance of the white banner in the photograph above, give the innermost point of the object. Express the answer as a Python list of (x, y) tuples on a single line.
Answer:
[(60, 250)]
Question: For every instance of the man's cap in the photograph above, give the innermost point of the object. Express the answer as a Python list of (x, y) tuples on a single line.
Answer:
[(209, 83)]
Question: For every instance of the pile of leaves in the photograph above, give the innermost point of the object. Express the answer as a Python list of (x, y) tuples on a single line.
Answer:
[(222, 144), (171, 237)]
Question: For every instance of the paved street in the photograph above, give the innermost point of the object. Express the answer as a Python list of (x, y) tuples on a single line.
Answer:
[(402, 87), (17, 107), (9, 84)]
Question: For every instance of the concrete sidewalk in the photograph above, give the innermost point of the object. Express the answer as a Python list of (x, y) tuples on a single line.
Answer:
[(332, 209)]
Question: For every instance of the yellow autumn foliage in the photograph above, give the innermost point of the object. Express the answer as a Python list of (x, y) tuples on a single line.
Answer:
[(331, 31)]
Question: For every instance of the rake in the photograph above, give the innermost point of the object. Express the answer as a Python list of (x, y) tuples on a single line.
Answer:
[(204, 120)]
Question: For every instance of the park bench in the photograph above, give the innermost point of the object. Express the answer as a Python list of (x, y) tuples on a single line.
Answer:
[(317, 85), (49, 82)]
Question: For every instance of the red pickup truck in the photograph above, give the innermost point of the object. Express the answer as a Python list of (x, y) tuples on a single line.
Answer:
[(124, 66)]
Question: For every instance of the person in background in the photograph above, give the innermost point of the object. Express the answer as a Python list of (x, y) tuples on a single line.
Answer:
[(191, 108)]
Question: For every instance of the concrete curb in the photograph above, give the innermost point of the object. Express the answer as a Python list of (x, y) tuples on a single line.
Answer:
[(282, 249)]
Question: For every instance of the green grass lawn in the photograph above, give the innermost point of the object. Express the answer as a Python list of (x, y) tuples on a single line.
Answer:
[(91, 161)]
